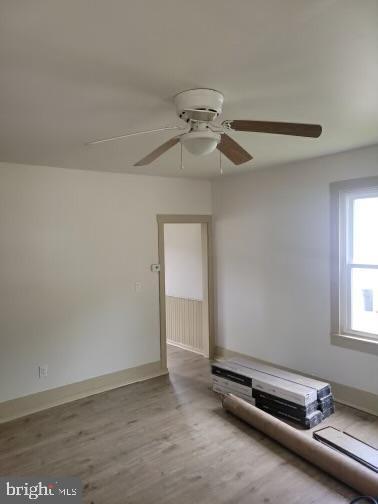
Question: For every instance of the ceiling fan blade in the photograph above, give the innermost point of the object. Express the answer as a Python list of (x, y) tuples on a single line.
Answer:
[(134, 133), (158, 151), (278, 128), (232, 150)]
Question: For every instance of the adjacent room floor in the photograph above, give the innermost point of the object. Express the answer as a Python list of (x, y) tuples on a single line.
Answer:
[(167, 440)]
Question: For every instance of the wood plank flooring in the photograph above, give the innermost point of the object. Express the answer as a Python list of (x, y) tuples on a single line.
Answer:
[(167, 440)]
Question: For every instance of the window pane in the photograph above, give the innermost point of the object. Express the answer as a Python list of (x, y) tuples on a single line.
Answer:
[(365, 230), (364, 300)]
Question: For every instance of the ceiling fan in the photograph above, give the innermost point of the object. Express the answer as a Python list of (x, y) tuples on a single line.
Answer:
[(203, 132)]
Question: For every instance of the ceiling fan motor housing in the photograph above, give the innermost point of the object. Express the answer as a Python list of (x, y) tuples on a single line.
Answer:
[(202, 105)]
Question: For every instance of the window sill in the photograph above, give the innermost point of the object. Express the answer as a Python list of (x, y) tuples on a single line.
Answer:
[(359, 343)]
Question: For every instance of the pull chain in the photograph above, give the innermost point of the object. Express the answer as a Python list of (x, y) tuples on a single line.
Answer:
[(220, 163), (181, 158)]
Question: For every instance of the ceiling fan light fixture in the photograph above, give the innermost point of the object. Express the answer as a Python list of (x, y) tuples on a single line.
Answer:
[(200, 143), (199, 109)]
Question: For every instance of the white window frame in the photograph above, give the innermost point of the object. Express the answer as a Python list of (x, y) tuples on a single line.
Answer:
[(342, 196)]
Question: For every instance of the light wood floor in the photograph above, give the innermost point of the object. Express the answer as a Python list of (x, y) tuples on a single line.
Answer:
[(166, 441)]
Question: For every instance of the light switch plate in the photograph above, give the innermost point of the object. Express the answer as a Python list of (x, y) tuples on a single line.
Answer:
[(138, 286), (43, 370)]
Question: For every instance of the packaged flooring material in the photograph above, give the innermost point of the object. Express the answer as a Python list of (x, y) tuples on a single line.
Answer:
[(328, 412), (289, 407), (285, 389), (224, 386), (308, 422), (325, 402), (232, 386), (224, 391), (227, 390), (349, 445), (323, 389), (225, 371), (297, 398), (268, 383)]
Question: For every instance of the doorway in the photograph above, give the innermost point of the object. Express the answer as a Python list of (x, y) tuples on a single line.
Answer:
[(186, 293)]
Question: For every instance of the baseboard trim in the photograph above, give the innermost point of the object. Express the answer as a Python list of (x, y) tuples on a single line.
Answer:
[(350, 396), (22, 406), (185, 347)]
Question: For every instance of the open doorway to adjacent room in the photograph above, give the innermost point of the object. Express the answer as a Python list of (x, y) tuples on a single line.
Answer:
[(186, 295)]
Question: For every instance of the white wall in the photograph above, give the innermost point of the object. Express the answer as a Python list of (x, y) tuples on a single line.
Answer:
[(72, 245), (273, 266), (183, 261)]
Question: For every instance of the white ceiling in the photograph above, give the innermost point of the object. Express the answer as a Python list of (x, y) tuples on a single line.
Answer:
[(76, 70)]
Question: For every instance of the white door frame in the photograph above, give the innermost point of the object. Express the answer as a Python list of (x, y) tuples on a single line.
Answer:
[(184, 219)]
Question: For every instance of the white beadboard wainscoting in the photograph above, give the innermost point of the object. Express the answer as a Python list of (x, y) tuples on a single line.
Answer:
[(184, 323)]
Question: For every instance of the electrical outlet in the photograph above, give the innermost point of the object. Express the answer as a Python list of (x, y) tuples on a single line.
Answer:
[(43, 370), (138, 286)]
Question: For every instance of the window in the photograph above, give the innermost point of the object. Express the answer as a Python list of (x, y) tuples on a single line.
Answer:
[(354, 287)]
